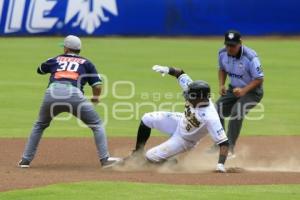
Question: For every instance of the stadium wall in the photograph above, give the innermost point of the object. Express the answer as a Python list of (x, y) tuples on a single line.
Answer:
[(148, 17)]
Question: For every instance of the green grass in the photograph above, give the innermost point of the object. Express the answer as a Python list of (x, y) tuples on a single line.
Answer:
[(118, 190), (131, 60)]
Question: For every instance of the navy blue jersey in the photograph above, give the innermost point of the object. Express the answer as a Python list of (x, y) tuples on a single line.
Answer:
[(71, 68)]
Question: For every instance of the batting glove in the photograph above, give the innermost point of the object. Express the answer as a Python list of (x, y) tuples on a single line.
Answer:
[(161, 69), (220, 168)]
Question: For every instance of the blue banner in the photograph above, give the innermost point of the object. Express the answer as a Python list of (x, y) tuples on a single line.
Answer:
[(148, 17)]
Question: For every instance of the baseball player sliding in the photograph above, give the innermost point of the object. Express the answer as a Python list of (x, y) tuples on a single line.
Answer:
[(69, 73), (185, 129)]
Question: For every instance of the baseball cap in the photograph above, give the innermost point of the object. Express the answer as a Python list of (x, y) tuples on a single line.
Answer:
[(72, 42), (232, 37)]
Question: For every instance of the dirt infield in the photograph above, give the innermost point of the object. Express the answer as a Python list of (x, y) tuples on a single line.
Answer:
[(264, 160)]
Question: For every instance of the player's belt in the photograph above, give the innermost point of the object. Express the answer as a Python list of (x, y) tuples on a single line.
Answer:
[(55, 84)]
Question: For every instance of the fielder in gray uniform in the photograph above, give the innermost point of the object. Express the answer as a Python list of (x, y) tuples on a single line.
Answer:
[(69, 73), (245, 89)]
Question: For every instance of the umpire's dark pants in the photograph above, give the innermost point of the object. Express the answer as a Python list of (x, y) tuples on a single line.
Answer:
[(236, 108)]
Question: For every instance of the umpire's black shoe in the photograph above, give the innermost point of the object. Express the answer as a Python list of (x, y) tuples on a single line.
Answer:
[(110, 162), (23, 163)]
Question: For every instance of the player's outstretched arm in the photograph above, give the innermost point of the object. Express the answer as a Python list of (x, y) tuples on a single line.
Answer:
[(173, 71), (222, 157), (183, 79), (218, 135)]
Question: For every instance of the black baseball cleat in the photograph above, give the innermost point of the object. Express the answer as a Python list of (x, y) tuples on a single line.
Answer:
[(23, 163), (109, 162)]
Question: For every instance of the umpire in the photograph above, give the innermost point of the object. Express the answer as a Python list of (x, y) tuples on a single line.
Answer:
[(245, 88)]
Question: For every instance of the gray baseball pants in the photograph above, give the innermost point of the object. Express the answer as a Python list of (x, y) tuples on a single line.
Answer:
[(63, 97)]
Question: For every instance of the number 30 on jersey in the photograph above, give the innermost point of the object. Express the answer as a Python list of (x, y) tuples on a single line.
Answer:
[(68, 66)]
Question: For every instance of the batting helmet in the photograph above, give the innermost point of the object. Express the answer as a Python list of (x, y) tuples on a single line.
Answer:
[(197, 90)]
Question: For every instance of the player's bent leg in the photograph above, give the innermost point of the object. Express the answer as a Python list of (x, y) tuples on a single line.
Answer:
[(49, 109), (34, 139), (163, 121), (86, 112), (172, 147), (143, 135), (40, 125)]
